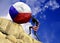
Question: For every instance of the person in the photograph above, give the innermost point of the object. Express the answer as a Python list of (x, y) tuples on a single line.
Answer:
[(35, 27)]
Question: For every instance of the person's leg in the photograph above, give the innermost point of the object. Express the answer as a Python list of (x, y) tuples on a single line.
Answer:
[(30, 30), (35, 33)]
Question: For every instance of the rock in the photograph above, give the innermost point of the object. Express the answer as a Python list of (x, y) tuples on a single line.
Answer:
[(11, 32), (25, 38), (2, 40), (2, 35), (11, 38), (19, 41), (3, 24)]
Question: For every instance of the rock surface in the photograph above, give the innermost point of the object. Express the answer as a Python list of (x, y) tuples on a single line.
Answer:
[(11, 32)]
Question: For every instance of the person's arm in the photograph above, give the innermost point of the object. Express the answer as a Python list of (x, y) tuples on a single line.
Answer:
[(30, 30)]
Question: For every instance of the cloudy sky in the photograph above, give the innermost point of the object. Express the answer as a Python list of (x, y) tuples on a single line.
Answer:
[(46, 11)]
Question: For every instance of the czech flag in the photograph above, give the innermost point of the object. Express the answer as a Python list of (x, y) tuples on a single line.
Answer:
[(20, 12)]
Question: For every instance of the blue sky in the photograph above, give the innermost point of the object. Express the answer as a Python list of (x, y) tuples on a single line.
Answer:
[(46, 11)]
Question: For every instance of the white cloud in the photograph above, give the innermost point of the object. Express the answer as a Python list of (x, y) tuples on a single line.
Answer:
[(53, 4), (35, 6)]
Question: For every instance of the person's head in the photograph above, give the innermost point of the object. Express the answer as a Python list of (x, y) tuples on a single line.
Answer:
[(20, 12)]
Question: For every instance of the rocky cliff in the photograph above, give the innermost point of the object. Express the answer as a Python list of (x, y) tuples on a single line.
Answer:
[(11, 32)]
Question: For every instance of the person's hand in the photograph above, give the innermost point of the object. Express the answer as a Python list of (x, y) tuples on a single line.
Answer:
[(35, 28)]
